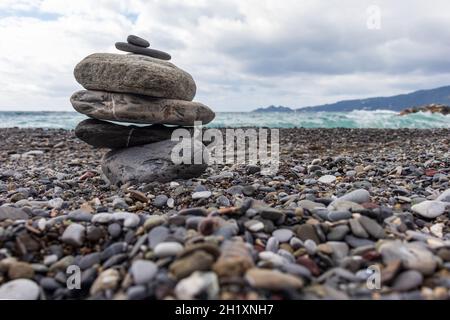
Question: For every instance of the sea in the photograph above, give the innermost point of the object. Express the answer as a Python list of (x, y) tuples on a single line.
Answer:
[(353, 119)]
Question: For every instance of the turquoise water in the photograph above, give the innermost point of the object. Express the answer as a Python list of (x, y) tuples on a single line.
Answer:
[(354, 119)]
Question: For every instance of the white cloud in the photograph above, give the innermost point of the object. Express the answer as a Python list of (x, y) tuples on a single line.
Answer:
[(242, 53)]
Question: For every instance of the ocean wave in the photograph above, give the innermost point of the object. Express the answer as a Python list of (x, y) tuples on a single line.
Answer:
[(353, 119)]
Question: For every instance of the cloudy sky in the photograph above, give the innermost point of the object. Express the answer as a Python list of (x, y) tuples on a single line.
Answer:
[(243, 54)]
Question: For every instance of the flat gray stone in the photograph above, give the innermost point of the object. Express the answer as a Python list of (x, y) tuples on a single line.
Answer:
[(151, 162), (11, 213), (138, 41), (103, 134), (74, 235), (445, 196), (129, 47), (372, 227), (134, 74), (357, 196), (132, 108), (357, 229), (408, 280), (429, 209)]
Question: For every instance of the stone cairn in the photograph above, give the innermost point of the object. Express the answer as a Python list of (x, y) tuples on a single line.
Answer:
[(141, 87)]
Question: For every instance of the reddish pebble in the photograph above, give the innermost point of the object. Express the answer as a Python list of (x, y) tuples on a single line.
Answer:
[(87, 175)]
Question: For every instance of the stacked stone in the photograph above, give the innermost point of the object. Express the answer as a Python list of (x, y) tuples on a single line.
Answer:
[(142, 88)]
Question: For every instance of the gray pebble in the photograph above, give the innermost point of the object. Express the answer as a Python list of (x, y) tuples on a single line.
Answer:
[(283, 235), (74, 235), (143, 271), (138, 41)]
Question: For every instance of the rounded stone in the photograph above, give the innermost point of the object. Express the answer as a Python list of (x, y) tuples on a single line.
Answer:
[(74, 235), (160, 200), (339, 215), (167, 249), (429, 209), (143, 271), (201, 195), (134, 74), (283, 235), (103, 134), (20, 289), (414, 256), (138, 41), (358, 196), (127, 107), (153, 162), (408, 280), (272, 279), (327, 179)]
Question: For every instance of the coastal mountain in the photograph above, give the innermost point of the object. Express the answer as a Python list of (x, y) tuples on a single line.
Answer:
[(274, 109), (395, 103)]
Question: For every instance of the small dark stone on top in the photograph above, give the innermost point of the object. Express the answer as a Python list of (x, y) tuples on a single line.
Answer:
[(127, 47), (138, 41)]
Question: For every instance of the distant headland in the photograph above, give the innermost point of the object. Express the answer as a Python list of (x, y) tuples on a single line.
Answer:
[(395, 103)]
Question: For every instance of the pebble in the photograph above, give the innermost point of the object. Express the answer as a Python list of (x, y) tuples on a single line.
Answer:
[(20, 289), (413, 256), (338, 233), (310, 205), (154, 221), (167, 249), (358, 196), (138, 41), (199, 285), (429, 209), (201, 195), (128, 47), (254, 225), (157, 235), (310, 246), (114, 229), (283, 235), (143, 271), (107, 280), (137, 292), (271, 214), (407, 280), (339, 215), (11, 213), (119, 203), (130, 220), (357, 229), (223, 201), (372, 227), (74, 235), (160, 200), (197, 261), (272, 279), (307, 231), (89, 260), (327, 179), (274, 258), (272, 244), (340, 249), (18, 270), (444, 196)]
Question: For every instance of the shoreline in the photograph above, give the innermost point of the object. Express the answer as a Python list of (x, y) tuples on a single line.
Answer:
[(53, 180)]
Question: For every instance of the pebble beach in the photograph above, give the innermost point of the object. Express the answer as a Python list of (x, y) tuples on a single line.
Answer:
[(345, 205)]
